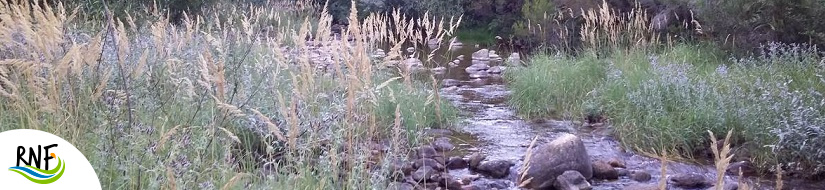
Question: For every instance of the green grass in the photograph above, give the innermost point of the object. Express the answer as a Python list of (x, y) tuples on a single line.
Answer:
[(479, 36), (553, 85), (667, 99)]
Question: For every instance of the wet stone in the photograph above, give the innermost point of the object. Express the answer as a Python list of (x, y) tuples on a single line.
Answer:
[(423, 174), (456, 162), (450, 183), (616, 163), (571, 180), (727, 186), (475, 160), (443, 144), (498, 185), (640, 176), (471, 187), (428, 162), (466, 180), (691, 180), (495, 169), (603, 170), (641, 187), (425, 152)]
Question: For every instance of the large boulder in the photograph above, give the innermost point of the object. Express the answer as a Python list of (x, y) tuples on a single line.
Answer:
[(550, 160)]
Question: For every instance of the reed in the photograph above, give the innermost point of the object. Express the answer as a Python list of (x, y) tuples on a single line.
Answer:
[(265, 95)]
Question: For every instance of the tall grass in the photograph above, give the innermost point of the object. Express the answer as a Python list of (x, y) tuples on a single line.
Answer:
[(236, 98)]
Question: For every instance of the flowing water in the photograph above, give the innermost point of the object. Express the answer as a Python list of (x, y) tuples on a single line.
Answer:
[(493, 128)]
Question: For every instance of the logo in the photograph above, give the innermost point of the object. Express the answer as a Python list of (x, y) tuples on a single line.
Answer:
[(41, 160), (35, 173)]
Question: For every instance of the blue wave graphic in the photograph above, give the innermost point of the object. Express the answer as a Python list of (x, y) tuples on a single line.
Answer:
[(31, 172)]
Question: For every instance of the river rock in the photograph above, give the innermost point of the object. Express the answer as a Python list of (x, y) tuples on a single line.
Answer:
[(440, 159), (410, 49), (742, 166), (482, 55), (603, 170), (456, 162), (400, 186), (450, 183), (425, 151), (429, 162), (479, 75), (550, 160), (466, 180), (639, 186), (476, 67), (727, 186), (449, 83), (475, 160), (571, 180), (495, 70), (460, 57), (498, 184), (496, 169), (640, 176), (622, 171), (471, 187), (443, 144), (690, 181), (616, 163), (423, 174)]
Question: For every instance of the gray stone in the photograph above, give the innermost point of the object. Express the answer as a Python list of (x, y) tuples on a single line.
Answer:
[(423, 174), (428, 162), (616, 163), (640, 176), (550, 160), (603, 170), (450, 183), (495, 70), (482, 54), (471, 187), (571, 180), (495, 169), (639, 186), (475, 160), (456, 162), (443, 144), (727, 186), (690, 181), (425, 152)]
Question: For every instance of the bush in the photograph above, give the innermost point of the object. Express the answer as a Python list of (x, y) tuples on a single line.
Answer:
[(749, 23)]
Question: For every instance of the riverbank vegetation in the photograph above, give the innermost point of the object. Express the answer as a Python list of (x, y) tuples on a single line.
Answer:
[(234, 96), (661, 94)]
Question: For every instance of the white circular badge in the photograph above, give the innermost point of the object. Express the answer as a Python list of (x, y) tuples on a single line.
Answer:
[(34, 159)]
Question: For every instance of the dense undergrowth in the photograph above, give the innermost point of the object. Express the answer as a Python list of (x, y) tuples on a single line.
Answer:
[(666, 96), (232, 99)]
